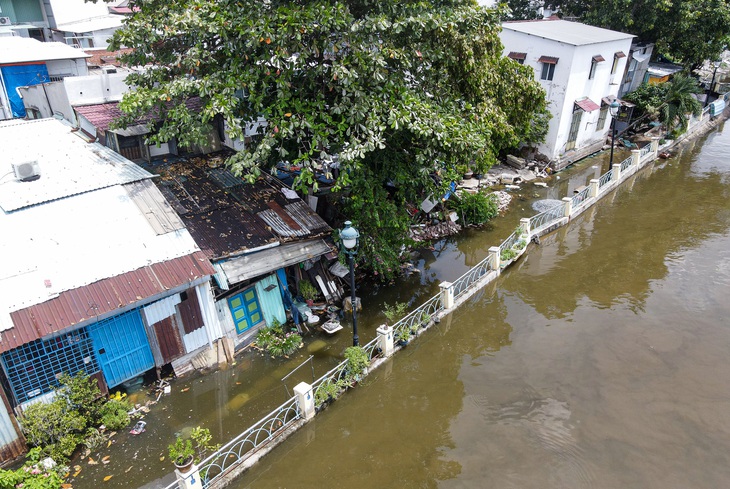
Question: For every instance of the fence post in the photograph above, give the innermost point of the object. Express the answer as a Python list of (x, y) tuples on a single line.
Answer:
[(616, 174), (525, 225), (568, 206), (494, 258), (447, 295), (385, 339), (655, 145), (635, 157), (190, 479), (593, 192), (305, 399)]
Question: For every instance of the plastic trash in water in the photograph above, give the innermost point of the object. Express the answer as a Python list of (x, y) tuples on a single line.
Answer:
[(138, 428)]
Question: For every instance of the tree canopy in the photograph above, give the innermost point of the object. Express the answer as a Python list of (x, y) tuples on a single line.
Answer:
[(396, 92), (523, 10), (685, 31)]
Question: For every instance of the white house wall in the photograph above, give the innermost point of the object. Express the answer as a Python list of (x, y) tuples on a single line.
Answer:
[(570, 83), (67, 67), (40, 96), (96, 89)]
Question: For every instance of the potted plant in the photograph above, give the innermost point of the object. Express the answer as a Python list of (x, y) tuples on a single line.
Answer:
[(189, 450), (357, 362), (425, 319), (326, 393), (182, 453), (308, 291), (506, 256)]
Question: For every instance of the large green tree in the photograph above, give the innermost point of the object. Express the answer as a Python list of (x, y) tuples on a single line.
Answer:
[(685, 31), (395, 91)]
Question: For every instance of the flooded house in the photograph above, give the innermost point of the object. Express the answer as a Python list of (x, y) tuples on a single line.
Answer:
[(99, 274), (261, 237)]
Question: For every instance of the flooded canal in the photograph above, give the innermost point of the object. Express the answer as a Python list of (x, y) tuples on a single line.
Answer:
[(600, 360)]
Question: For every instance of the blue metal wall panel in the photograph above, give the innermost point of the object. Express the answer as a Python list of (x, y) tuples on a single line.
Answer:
[(121, 347)]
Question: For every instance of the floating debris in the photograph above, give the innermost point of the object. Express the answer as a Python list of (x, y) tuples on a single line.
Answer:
[(138, 428)]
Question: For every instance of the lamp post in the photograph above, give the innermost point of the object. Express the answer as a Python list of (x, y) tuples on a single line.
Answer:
[(712, 83), (613, 108), (349, 239)]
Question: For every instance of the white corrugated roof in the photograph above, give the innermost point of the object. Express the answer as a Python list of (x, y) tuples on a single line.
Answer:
[(24, 49), (92, 24), (573, 33), (68, 165), (77, 240)]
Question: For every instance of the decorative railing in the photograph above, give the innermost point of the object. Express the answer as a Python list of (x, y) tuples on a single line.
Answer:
[(605, 178), (626, 164), (581, 197), (507, 243), (645, 151), (546, 218), (462, 284), (422, 314), (244, 445)]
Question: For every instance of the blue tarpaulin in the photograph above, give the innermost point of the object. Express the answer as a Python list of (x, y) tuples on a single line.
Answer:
[(20, 76)]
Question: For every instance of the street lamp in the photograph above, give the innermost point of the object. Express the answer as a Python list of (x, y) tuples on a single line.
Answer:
[(613, 108), (349, 240), (716, 64)]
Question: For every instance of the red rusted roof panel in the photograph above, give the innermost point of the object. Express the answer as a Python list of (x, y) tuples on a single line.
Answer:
[(587, 105), (100, 298)]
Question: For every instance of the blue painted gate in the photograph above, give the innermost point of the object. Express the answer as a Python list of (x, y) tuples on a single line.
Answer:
[(121, 347)]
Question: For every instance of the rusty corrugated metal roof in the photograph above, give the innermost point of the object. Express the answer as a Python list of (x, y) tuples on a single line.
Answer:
[(100, 298), (227, 216), (103, 115)]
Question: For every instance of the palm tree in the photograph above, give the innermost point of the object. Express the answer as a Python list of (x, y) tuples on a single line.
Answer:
[(680, 101)]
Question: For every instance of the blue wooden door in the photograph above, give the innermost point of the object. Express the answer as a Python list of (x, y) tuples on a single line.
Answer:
[(245, 309), (121, 347)]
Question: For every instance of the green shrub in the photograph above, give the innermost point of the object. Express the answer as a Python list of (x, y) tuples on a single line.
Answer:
[(276, 342), (357, 361), (59, 426), (307, 290), (113, 414), (507, 254), (475, 208), (394, 312), (32, 475)]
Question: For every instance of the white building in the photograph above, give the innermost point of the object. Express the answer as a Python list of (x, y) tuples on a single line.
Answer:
[(25, 61), (57, 99), (580, 67), (94, 32)]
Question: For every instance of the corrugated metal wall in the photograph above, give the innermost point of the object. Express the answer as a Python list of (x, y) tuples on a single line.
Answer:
[(12, 444)]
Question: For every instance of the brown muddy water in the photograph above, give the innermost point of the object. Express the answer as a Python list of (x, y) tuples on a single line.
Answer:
[(599, 360)]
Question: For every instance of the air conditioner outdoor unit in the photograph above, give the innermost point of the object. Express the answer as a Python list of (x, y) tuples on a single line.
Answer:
[(28, 171), (5, 21)]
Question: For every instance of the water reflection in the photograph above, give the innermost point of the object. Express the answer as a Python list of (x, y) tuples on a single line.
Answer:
[(599, 360)]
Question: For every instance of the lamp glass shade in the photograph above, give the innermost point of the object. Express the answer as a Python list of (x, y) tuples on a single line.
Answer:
[(349, 236), (614, 108)]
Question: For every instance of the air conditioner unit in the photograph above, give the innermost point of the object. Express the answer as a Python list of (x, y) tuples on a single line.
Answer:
[(28, 171), (5, 21)]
